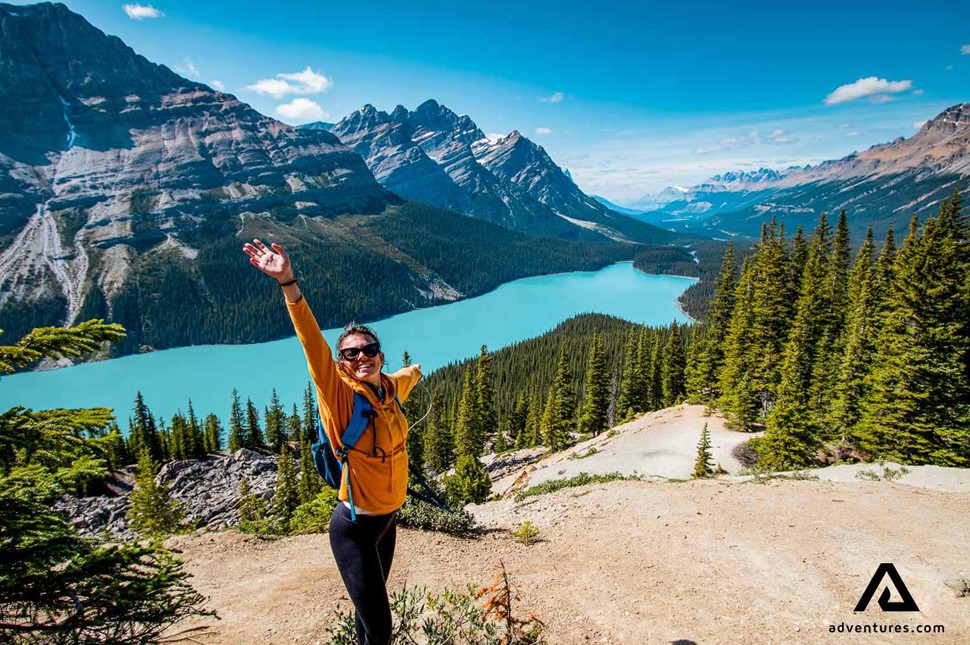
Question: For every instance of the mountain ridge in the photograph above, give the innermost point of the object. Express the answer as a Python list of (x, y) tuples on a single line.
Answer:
[(883, 185), (435, 156)]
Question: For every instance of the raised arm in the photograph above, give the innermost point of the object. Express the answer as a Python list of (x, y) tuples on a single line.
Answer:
[(275, 263)]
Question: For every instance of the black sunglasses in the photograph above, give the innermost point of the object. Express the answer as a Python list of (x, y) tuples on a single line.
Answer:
[(351, 353)]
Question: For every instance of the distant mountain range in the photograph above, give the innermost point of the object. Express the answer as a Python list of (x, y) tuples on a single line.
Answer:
[(437, 157), (884, 185)]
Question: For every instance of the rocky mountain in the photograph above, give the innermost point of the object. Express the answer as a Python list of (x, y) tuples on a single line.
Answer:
[(884, 185), (437, 157), (207, 490), (126, 190), (104, 155)]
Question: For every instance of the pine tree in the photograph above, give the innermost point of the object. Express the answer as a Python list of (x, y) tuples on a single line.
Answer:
[(737, 396), (486, 420), (275, 423), (195, 436), (466, 442), (557, 418), (438, 444), (918, 405), (310, 483), (286, 496), (831, 349), (213, 434), (237, 432), (55, 585), (655, 392), (630, 385), (294, 427), (470, 483), (152, 511), (593, 419), (673, 362), (415, 444), (164, 440), (406, 360), (254, 434), (533, 421), (704, 466), (517, 420), (703, 386), (644, 398), (856, 359), (251, 507), (179, 448), (771, 312), (309, 411), (143, 432), (793, 434), (797, 259)]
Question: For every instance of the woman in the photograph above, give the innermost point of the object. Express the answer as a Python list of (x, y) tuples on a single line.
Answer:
[(378, 462)]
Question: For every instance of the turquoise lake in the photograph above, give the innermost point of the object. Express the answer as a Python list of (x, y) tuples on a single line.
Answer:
[(433, 337)]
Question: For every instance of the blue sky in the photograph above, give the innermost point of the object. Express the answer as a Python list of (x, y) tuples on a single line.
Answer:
[(629, 96)]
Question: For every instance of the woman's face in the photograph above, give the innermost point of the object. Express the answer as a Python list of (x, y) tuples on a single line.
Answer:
[(362, 367)]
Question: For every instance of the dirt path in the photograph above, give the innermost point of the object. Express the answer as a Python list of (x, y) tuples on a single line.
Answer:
[(640, 562)]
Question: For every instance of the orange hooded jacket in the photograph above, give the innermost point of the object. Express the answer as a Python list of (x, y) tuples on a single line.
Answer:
[(379, 482)]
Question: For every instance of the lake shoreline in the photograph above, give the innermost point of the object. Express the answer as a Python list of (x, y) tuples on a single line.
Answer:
[(433, 336)]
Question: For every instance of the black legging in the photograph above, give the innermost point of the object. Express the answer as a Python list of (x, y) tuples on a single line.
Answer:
[(364, 551)]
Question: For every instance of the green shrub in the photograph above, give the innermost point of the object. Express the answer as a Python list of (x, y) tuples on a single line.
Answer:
[(314, 516), (470, 483), (527, 533), (581, 479), (416, 514), (453, 617)]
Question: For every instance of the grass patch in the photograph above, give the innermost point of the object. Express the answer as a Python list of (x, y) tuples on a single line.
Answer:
[(761, 475), (589, 452), (888, 473), (581, 479)]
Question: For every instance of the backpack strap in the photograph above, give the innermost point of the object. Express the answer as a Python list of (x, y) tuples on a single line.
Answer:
[(359, 420)]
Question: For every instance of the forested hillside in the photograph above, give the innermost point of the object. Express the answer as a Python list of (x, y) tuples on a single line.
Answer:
[(202, 290)]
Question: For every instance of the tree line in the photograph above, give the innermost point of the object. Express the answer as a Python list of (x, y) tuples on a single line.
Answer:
[(841, 358)]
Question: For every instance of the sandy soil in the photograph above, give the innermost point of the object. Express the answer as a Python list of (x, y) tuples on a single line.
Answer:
[(656, 561)]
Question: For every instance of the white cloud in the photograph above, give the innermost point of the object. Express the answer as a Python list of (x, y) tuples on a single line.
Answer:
[(543, 131), (305, 82), (555, 98), (948, 67), (919, 124), (188, 68), (918, 92), (965, 50), (780, 136), (876, 88), (854, 133), (140, 12), (754, 138), (302, 110), (879, 99), (702, 151), (217, 85)]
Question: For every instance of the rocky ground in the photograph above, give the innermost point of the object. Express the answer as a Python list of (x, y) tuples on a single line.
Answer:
[(733, 560)]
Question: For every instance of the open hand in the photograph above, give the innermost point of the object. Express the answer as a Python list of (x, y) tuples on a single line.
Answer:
[(274, 263)]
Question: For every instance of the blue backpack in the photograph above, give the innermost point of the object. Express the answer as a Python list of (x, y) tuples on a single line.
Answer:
[(330, 461)]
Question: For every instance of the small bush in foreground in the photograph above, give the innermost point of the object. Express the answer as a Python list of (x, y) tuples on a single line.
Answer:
[(579, 480), (453, 617), (416, 514), (526, 533)]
